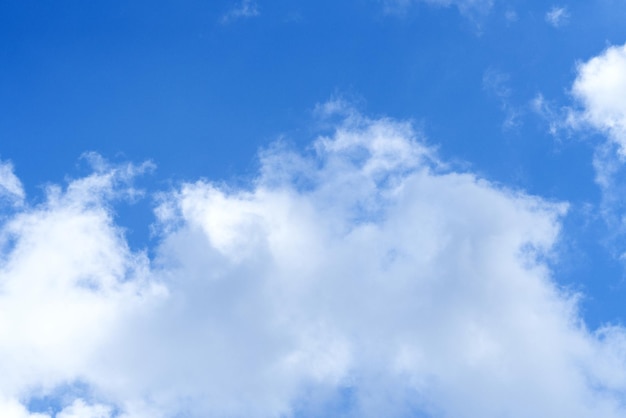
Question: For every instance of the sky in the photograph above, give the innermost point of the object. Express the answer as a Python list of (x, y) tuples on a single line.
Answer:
[(297, 209)]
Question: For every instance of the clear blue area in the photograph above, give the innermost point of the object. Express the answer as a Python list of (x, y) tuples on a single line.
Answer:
[(172, 83), (52, 403)]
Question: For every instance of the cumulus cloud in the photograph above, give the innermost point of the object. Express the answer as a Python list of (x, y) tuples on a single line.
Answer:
[(67, 278), (600, 88), (242, 10), (600, 94), (557, 16), (358, 278)]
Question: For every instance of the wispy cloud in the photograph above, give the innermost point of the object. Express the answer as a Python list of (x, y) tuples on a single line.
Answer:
[(467, 7), (10, 186), (557, 16), (558, 119), (497, 83), (242, 10), (511, 16)]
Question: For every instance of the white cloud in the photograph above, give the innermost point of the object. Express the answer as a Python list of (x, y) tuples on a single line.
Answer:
[(12, 408), (600, 87), (10, 185), (244, 9), (79, 409), (67, 279), (600, 92), (362, 269), (557, 16)]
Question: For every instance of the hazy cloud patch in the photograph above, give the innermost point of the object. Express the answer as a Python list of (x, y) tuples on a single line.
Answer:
[(242, 10), (497, 84), (557, 16), (468, 7)]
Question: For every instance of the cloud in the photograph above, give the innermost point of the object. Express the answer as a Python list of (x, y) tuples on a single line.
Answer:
[(360, 277), (557, 16), (244, 9), (557, 119), (10, 186), (600, 94), (600, 89), (468, 7), (79, 409), (67, 280), (511, 16), (497, 83)]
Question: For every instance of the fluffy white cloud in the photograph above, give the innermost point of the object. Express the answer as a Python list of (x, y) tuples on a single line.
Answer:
[(67, 278), (600, 92), (79, 409), (600, 87), (361, 278)]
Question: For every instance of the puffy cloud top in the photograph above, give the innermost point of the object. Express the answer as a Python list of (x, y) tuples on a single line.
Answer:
[(600, 86), (362, 278)]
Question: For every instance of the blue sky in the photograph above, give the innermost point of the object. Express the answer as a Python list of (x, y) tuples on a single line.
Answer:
[(295, 208)]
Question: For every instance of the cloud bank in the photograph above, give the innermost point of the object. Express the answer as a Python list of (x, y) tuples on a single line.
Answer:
[(360, 278)]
